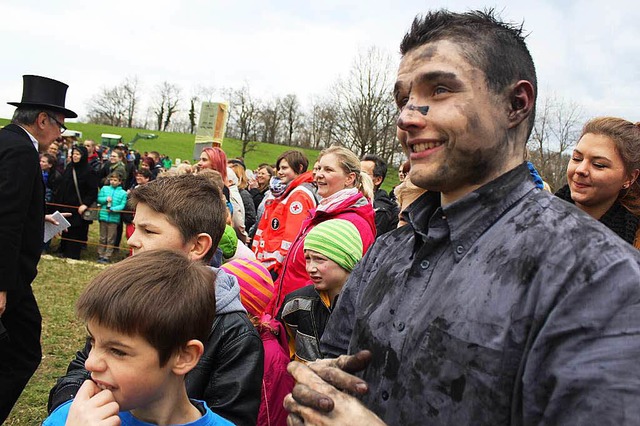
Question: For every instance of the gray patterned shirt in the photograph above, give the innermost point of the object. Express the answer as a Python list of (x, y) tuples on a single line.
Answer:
[(508, 306)]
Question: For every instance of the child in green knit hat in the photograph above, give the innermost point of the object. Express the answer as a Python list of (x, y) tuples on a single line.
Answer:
[(331, 250)]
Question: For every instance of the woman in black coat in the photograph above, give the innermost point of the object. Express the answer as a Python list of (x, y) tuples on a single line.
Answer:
[(66, 193)]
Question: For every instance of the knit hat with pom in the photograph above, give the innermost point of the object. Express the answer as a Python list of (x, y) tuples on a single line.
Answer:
[(256, 285), (338, 240)]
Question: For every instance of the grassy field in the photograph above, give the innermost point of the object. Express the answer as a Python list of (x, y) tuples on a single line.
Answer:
[(180, 145)]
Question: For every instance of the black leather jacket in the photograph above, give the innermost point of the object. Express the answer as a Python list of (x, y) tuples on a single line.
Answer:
[(228, 376)]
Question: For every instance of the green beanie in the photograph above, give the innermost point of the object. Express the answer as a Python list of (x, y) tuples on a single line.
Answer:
[(228, 243), (338, 240)]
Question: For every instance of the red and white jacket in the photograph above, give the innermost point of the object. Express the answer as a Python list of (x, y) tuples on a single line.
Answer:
[(281, 222)]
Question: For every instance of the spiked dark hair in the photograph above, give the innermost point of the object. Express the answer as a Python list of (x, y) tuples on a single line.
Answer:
[(495, 47)]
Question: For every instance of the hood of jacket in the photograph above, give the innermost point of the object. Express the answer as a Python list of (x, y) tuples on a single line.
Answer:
[(306, 177), (227, 293), (356, 204), (84, 155)]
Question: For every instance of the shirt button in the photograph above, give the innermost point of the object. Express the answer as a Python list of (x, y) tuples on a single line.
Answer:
[(459, 249), (385, 395), (392, 311), (400, 326), (424, 264)]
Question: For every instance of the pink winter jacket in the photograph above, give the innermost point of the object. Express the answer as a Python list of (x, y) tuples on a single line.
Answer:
[(276, 382), (355, 209)]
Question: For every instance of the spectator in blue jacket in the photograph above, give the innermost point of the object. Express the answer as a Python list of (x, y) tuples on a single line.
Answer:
[(113, 199)]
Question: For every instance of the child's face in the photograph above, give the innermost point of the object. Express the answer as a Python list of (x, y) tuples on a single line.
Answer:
[(128, 366), (326, 274), (153, 231), (114, 181)]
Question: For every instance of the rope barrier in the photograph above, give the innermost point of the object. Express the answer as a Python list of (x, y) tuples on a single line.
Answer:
[(92, 244), (89, 208), (87, 242)]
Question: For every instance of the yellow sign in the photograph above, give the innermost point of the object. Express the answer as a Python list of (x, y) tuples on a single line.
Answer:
[(213, 123)]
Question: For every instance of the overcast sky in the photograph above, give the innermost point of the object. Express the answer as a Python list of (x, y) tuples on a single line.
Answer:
[(587, 52)]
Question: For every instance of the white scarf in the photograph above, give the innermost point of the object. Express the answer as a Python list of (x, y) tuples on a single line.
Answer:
[(326, 204)]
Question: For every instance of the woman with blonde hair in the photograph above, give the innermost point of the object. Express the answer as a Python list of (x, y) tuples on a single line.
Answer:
[(602, 175), (346, 193)]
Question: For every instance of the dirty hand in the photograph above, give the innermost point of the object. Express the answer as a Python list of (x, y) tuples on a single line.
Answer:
[(316, 398)]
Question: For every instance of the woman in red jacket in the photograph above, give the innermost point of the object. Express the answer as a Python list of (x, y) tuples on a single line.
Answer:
[(292, 197), (346, 193)]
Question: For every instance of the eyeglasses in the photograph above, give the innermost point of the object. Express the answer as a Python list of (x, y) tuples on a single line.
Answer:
[(62, 126)]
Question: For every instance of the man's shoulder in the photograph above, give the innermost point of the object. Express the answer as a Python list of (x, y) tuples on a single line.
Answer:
[(542, 209), (552, 227), (14, 137)]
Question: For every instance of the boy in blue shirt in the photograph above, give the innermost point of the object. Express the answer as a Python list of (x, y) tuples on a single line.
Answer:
[(113, 199), (146, 318)]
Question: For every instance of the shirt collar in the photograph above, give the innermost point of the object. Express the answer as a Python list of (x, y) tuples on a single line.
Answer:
[(34, 141), (470, 216)]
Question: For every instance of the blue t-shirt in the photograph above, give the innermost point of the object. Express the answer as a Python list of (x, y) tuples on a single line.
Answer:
[(209, 418)]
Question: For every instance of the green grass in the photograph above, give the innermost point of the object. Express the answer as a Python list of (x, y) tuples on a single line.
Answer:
[(180, 145)]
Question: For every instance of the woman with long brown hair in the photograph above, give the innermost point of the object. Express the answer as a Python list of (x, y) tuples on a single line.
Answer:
[(602, 175)]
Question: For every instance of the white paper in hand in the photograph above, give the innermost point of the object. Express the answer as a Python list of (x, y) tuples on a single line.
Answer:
[(50, 229)]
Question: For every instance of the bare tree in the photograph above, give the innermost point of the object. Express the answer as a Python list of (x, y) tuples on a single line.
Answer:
[(192, 114), (130, 91), (166, 104), (557, 128), (270, 119), (321, 123), (243, 116), (367, 114), (116, 105), (291, 115), (107, 107)]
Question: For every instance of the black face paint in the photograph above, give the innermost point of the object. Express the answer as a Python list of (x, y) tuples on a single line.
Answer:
[(421, 109)]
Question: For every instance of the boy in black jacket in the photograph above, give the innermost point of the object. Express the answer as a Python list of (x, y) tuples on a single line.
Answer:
[(186, 213)]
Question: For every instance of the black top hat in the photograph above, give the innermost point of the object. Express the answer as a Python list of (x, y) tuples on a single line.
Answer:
[(44, 92)]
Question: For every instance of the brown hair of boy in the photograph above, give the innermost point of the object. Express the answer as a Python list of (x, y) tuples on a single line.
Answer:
[(159, 295), (190, 202)]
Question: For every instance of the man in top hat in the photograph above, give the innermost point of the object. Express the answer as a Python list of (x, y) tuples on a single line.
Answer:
[(37, 122)]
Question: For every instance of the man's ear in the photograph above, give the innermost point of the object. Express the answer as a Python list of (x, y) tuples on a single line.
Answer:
[(522, 102), (187, 357), (201, 245), (377, 181), (41, 121)]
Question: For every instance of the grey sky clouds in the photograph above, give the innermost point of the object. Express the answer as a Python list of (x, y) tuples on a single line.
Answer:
[(585, 51)]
